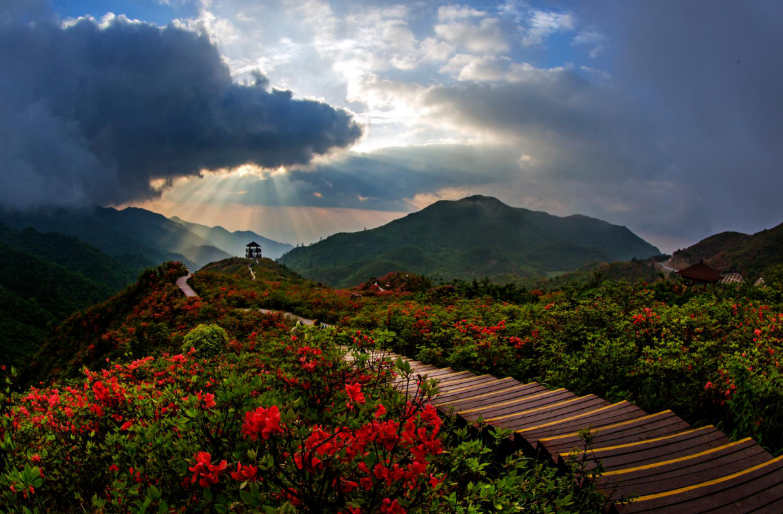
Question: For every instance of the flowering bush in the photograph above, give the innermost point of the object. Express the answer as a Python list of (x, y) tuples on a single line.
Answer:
[(206, 340), (657, 345), (278, 424)]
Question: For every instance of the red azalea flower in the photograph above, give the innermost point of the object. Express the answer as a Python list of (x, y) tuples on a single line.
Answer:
[(355, 392), (247, 473), (263, 422), (204, 471)]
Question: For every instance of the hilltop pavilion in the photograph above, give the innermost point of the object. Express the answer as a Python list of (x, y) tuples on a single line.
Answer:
[(700, 274), (253, 250)]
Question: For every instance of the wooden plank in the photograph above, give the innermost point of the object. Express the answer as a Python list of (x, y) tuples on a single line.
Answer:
[(483, 392), (659, 453), (639, 432), (561, 411), (528, 437), (620, 449), (513, 402), (467, 391), (455, 379), (725, 460), (616, 429), (458, 383), (707, 496), (427, 376), (700, 469), (536, 409), (552, 404), (506, 394), (620, 412)]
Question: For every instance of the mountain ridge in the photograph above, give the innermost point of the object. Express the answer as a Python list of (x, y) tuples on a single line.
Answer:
[(138, 237), (473, 237), (751, 255), (234, 242)]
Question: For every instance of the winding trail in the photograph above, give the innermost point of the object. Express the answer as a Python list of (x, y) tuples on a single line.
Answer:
[(182, 283), (670, 466)]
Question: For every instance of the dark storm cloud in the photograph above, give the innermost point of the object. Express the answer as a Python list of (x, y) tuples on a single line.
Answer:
[(92, 113), (686, 133), (712, 71)]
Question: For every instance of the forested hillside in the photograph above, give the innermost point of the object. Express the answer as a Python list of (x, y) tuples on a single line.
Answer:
[(471, 238), (35, 292), (753, 256)]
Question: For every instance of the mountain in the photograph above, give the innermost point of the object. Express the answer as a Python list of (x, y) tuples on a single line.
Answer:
[(162, 233), (36, 292), (137, 237), (733, 252), (86, 225), (72, 254), (474, 237), (234, 242)]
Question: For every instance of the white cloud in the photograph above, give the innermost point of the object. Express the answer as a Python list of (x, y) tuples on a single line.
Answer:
[(486, 37), (432, 50), (592, 38), (542, 24), (487, 68), (458, 12)]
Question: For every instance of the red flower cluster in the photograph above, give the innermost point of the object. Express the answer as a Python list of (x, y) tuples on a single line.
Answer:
[(204, 471), (247, 473), (355, 392), (263, 422)]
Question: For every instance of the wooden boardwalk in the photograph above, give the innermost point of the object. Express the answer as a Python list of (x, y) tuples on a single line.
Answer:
[(669, 466)]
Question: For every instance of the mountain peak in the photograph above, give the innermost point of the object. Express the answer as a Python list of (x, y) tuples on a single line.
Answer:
[(474, 237), (486, 200)]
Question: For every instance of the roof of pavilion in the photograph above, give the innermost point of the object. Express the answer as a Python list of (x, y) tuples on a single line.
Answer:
[(700, 272)]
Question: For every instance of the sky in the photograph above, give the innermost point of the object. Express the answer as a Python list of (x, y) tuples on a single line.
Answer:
[(299, 119)]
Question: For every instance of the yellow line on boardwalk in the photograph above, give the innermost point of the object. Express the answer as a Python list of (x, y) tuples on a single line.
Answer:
[(517, 400), (544, 407), (708, 483), (509, 389), (436, 377), (459, 379), (679, 459), (454, 382), (597, 430), (646, 441), (589, 413), (469, 387)]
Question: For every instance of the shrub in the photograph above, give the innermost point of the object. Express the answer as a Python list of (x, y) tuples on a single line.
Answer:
[(208, 340)]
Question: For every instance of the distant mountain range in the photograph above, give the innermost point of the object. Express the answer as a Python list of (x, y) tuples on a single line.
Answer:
[(54, 262), (234, 242), (734, 252), (474, 237), (140, 238)]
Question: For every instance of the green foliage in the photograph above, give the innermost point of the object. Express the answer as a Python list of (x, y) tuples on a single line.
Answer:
[(206, 340), (33, 293), (74, 255)]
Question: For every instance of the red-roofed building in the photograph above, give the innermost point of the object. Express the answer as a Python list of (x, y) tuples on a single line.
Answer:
[(700, 274)]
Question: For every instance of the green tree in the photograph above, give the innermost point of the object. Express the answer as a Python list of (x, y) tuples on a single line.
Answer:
[(208, 340)]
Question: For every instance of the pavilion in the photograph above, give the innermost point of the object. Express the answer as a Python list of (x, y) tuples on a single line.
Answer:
[(253, 250), (700, 274)]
